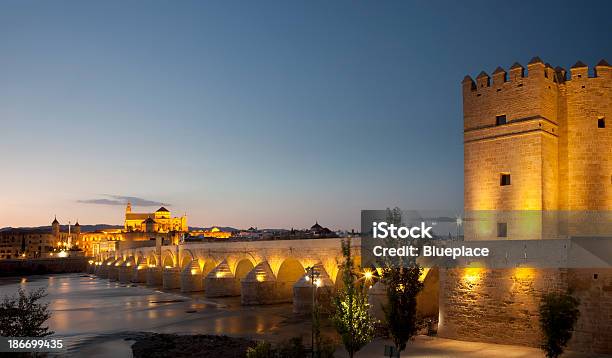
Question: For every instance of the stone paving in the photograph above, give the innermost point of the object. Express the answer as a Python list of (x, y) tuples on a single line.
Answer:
[(424, 346)]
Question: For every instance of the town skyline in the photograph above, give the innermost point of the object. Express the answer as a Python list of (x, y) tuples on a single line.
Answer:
[(67, 221)]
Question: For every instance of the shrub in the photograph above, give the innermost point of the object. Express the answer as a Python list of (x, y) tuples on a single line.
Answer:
[(23, 315), (293, 348), (261, 350), (558, 316)]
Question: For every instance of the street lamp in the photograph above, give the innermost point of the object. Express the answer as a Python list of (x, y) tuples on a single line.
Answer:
[(368, 275)]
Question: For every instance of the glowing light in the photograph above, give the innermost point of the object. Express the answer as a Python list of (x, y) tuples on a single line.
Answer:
[(219, 274), (524, 273), (472, 275), (424, 274), (128, 264), (90, 262), (62, 254), (260, 277), (307, 278), (152, 265), (194, 271), (168, 267), (368, 274), (317, 282)]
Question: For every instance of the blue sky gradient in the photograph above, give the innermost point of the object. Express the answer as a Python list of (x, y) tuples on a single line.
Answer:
[(269, 114)]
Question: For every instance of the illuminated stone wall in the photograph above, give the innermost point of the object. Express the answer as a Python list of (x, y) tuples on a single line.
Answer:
[(589, 154), (501, 306), (557, 157)]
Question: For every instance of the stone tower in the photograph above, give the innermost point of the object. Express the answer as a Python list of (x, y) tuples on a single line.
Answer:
[(538, 165), (536, 144), (55, 228), (128, 208), (77, 229)]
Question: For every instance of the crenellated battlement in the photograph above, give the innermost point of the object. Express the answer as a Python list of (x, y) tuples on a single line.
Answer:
[(535, 91), (537, 70)]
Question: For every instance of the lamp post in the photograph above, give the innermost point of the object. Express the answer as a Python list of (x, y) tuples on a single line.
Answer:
[(312, 275), (459, 222)]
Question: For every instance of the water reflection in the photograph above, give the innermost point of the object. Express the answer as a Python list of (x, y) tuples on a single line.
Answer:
[(84, 307)]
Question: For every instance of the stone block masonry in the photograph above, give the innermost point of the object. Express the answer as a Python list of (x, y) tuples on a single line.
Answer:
[(551, 135), (502, 305)]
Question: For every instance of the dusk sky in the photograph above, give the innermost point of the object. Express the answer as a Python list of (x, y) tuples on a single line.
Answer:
[(255, 113)]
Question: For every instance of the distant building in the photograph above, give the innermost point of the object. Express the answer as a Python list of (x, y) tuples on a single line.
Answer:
[(160, 221), (138, 227), (214, 232), (34, 243), (318, 230)]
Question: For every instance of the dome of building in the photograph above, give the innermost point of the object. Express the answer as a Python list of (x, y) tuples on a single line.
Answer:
[(316, 226)]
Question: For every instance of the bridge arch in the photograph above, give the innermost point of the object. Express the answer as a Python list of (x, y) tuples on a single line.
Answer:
[(290, 270), (168, 259), (152, 259), (208, 265), (243, 267), (130, 260), (187, 258)]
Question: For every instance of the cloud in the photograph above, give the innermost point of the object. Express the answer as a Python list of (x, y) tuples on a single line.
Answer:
[(122, 201)]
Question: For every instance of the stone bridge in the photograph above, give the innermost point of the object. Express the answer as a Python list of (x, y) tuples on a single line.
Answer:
[(260, 272)]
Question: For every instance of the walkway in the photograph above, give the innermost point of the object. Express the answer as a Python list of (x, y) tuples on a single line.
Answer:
[(432, 347)]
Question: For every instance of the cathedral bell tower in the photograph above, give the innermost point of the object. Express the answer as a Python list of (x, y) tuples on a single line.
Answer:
[(55, 227)]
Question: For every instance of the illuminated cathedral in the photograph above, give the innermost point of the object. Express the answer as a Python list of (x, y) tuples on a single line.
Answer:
[(160, 221)]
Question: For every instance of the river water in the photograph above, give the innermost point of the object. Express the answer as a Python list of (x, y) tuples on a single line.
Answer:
[(97, 317)]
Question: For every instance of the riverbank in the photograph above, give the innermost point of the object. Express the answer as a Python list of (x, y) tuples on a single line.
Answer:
[(172, 345), (42, 266)]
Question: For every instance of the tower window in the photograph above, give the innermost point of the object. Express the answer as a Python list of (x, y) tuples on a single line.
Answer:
[(499, 120), (601, 122), (504, 179), (502, 230)]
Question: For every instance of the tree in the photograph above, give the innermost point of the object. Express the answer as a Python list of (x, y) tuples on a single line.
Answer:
[(400, 275), (403, 286), (558, 316), (23, 315), (316, 328), (351, 317)]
